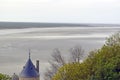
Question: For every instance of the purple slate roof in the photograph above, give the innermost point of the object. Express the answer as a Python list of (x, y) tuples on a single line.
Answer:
[(29, 70)]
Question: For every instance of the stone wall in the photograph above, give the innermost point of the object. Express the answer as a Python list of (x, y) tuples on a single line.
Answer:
[(37, 78)]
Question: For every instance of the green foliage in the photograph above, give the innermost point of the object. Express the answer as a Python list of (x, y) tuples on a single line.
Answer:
[(103, 64), (68, 72), (4, 77)]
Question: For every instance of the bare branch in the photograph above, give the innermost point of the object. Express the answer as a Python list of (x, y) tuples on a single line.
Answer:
[(56, 62), (77, 54)]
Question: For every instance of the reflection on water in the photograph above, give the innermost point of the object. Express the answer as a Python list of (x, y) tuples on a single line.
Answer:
[(14, 44)]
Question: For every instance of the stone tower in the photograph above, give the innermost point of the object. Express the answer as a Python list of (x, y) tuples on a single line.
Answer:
[(29, 71)]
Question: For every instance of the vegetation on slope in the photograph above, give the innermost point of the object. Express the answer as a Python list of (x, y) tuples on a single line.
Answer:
[(102, 64), (4, 77)]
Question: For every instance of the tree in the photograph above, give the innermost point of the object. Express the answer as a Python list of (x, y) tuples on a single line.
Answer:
[(102, 64), (77, 54), (4, 77), (56, 62), (113, 40), (68, 72)]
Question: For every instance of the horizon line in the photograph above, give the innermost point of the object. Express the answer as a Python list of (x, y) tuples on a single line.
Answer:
[(60, 22)]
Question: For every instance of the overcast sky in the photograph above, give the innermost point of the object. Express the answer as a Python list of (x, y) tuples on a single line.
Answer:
[(67, 11)]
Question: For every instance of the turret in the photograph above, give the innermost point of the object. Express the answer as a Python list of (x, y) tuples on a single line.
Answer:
[(15, 77), (30, 72)]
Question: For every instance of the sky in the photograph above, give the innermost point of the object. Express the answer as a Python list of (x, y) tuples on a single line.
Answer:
[(60, 11)]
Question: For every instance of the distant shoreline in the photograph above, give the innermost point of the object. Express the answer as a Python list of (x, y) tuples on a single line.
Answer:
[(20, 25)]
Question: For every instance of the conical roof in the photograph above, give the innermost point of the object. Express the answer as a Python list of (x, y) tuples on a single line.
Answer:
[(29, 70)]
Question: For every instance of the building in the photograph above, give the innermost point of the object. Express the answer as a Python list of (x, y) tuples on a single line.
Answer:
[(30, 72), (15, 77)]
